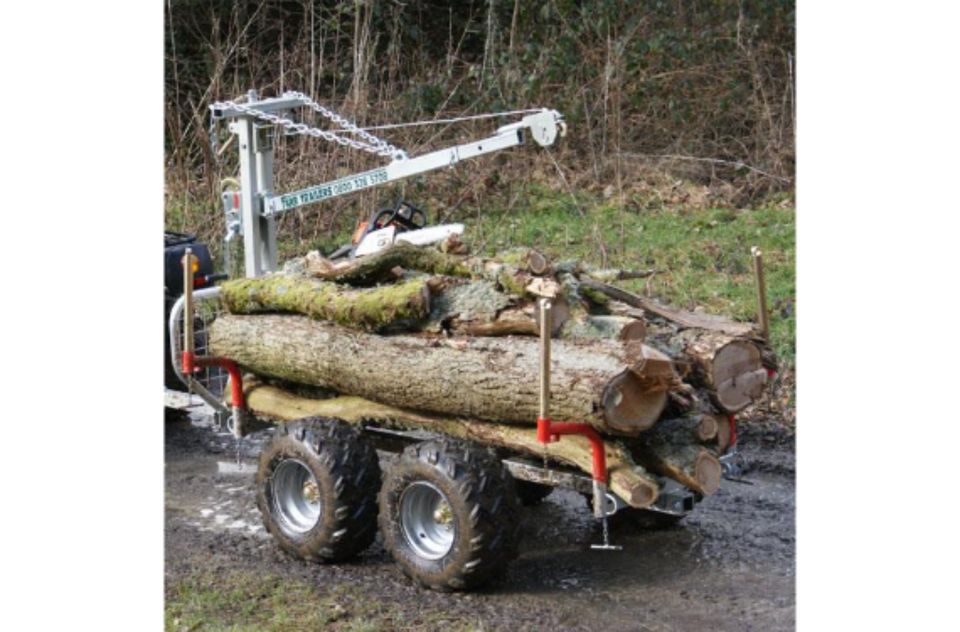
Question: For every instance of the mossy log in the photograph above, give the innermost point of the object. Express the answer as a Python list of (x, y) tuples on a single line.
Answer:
[(618, 388), (373, 309), (627, 479), (679, 456)]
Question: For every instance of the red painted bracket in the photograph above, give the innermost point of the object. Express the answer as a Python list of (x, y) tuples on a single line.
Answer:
[(190, 363), (549, 431)]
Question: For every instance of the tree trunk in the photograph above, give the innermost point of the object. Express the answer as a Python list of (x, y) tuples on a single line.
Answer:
[(627, 479), (399, 305), (618, 388)]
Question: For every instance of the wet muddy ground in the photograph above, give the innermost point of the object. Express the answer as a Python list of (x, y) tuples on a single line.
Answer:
[(730, 565)]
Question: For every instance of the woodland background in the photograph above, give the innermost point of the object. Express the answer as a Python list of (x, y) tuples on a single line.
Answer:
[(680, 151)]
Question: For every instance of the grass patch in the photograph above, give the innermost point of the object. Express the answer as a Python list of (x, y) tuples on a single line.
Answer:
[(241, 602), (249, 601), (703, 256)]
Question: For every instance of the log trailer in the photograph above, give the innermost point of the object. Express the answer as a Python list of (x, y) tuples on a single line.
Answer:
[(448, 507)]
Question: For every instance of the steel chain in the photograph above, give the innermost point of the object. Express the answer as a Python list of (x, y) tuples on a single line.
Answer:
[(375, 145), (345, 124)]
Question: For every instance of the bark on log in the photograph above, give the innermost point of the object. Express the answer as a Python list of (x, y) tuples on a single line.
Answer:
[(678, 456), (464, 302), (692, 466), (379, 267), (627, 479), (519, 320), (701, 428), (723, 435), (370, 309), (615, 327), (608, 275), (619, 388)]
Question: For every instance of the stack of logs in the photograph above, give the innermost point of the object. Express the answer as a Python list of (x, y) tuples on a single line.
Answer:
[(431, 338)]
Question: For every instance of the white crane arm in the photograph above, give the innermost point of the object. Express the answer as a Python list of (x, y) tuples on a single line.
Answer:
[(543, 126)]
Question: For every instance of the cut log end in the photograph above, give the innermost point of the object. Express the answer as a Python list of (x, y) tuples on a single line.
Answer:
[(630, 406), (708, 427), (642, 495), (738, 375), (707, 471), (537, 263), (635, 331)]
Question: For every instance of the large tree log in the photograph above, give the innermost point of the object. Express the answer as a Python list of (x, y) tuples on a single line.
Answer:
[(402, 304), (627, 479), (619, 388)]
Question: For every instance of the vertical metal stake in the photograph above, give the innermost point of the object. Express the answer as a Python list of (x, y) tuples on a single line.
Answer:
[(762, 315), (188, 300), (545, 327)]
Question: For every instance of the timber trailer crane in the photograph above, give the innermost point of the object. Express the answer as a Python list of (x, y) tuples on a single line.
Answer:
[(447, 508)]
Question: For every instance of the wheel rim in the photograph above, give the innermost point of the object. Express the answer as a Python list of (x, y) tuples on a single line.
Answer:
[(296, 497), (426, 520)]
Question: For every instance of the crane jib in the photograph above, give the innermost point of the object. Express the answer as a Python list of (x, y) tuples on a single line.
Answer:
[(326, 190)]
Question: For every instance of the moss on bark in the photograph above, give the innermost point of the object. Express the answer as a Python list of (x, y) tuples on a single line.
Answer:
[(371, 309)]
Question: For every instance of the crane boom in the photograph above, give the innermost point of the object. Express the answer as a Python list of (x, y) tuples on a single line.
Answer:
[(543, 124)]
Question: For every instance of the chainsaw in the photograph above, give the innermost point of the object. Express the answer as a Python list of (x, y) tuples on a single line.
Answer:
[(387, 226)]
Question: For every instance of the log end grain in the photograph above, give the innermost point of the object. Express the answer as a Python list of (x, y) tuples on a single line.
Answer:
[(642, 495), (629, 406), (634, 331), (738, 375), (707, 470), (708, 427)]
